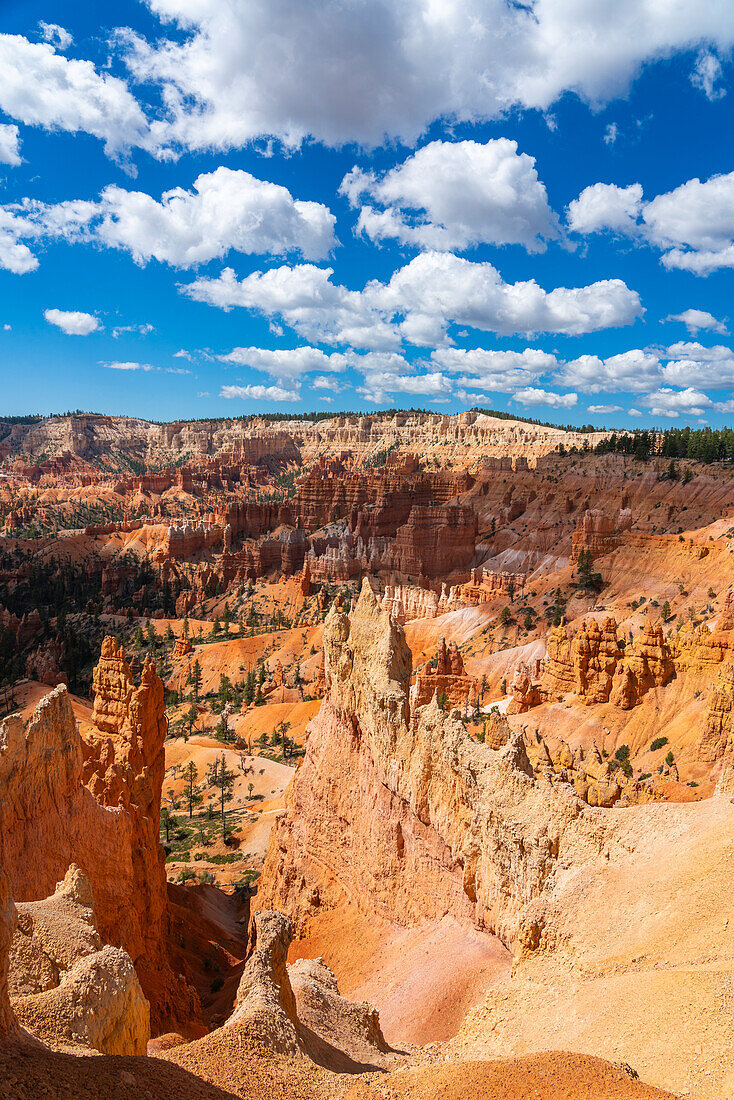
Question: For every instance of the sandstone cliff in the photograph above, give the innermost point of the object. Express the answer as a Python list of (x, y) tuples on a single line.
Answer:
[(49, 818)]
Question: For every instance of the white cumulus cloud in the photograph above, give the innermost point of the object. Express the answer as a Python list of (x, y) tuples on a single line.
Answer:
[(418, 304), (128, 366), (360, 71), (73, 322), (260, 393), (635, 370), (606, 206), (453, 195), (692, 225), (40, 87), (674, 403), (285, 363), (697, 319), (707, 75), (503, 371), (56, 35), (534, 396), (227, 210), (9, 145)]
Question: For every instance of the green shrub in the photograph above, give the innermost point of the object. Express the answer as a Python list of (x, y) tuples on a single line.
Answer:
[(658, 743)]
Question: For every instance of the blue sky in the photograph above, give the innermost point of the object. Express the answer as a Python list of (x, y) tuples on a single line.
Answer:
[(210, 209)]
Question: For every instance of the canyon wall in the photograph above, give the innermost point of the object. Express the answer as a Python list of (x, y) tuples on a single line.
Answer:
[(91, 436)]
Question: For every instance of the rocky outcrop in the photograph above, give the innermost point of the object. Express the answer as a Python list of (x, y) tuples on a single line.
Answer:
[(525, 689), (45, 664), (124, 759), (414, 820), (558, 675), (487, 584), (595, 654), (291, 1010), (65, 985), (436, 540), (446, 678), (726, 618), (91, 436), (353, 1027), (182, 647), (599, 533), (24, 628), (405, 602), (265, 1000), (696, 648), (597, 669), (96, 803), (717, 737), (647, 663)]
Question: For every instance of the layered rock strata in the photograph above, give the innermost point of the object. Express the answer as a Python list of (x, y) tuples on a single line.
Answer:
[(8, 919), (599, 533), (717, 737)]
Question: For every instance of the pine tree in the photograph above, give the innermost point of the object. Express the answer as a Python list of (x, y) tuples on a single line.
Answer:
[(249, 691), (222, 779), (194, 679), (191, 774)]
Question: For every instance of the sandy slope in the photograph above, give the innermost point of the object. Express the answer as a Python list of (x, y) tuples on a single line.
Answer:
[(552, 1076), (642, 970), (422, 980)]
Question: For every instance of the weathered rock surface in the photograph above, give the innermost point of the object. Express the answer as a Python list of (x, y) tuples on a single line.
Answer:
[(265, 1002), (330, 1021), (414, 819), (646, 664), (717, 737), (49, 818), (594, 666), (446, 678), (65, 985), (599, 533), (435, 541)]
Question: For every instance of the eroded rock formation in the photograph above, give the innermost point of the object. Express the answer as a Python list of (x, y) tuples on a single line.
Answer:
[(423, 821), (599, 533), (96, 802), (717, 737), (647, 663), (594, 665), (446, 678), (265, 1000), (435, 541), (65, 985), (8, 919)]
